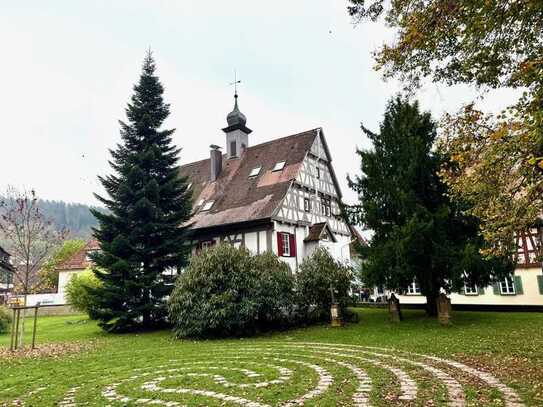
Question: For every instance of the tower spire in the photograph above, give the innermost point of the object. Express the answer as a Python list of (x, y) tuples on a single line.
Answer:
[(236, 131)]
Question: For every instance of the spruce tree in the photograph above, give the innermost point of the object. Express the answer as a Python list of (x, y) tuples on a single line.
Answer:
[(142, 234), (419, 234)]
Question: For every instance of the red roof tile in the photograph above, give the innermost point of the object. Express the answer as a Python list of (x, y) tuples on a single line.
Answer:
[(239, 198), (79, 260)]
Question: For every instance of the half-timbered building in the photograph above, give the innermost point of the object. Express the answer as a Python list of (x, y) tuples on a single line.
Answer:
[(280, 196)]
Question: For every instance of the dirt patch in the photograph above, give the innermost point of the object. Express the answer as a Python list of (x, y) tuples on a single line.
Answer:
[(50, 350)]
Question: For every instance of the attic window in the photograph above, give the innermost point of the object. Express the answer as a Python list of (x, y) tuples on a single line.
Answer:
[(189, 186), (201, 202), (255, 171), (208, 205), (279, 166)]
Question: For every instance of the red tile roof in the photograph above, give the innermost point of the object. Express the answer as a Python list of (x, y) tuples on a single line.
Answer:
[(79, 260), (238, 198)]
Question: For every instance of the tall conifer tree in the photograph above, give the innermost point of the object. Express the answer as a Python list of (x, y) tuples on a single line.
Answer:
[(419, 233), (142, 235)]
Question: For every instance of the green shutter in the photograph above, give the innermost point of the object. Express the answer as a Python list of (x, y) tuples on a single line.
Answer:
[(481, 290), (518, 285), (540, 284), (496, 288)]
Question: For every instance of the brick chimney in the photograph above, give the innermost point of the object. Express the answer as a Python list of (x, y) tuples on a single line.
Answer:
[(216, 162)]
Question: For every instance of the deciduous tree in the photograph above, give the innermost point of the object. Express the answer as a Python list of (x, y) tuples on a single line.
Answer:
[(496, 160)]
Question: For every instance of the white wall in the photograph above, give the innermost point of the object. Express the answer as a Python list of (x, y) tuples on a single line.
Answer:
[(530, 295)]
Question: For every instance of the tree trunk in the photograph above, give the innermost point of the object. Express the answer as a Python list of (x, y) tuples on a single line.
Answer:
[(431, 305)]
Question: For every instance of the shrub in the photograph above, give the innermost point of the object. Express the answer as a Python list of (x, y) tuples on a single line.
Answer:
[(274, 292), (315, 276), (227, 292), (5, 319), (78, 292)]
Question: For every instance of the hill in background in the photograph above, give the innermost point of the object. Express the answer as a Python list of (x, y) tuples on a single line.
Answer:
[(77, 218)]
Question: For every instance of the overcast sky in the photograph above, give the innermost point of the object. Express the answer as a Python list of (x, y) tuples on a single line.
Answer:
[(69, 66)]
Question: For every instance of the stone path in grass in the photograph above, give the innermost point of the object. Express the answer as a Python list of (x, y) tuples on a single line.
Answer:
[(295, 374)]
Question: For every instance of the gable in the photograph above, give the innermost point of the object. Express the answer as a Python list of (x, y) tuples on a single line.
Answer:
[(239, 198)]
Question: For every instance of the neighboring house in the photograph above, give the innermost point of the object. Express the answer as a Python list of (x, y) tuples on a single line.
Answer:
[(76, 264), (6, 275), (523, 288), (280, 196)]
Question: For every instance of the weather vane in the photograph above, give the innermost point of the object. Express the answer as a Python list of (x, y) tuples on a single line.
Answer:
[(235, 83)]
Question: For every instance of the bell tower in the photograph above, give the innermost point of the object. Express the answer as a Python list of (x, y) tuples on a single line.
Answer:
[(237, 133)]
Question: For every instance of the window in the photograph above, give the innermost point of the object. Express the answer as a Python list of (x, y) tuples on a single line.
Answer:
[(189, 186), (88, 255), (413, 288), (286, 244), (279, 166), (326, 207), (201, 202), (318, 172), (254, 172), (207, 244), (507, 286), (307, 205), (208, 205), (471, 290), (233, 152)]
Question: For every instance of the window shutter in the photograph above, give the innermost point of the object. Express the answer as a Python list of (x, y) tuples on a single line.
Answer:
[(280, 249), (496, 288), (292, 245), (518, 285), (481, 290), (540, 284)]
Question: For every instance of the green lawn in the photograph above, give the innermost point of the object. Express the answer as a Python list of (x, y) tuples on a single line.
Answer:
[(316, 366)]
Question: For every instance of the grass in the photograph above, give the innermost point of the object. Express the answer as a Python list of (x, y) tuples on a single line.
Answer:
[(155, 366)]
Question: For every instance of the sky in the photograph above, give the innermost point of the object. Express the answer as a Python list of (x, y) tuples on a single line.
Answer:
[(69, 67)]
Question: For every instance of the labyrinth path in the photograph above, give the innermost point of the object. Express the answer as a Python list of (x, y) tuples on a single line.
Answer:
[(288, 374)]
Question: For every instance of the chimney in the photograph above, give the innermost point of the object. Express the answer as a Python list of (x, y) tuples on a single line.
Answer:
[(216, 162)]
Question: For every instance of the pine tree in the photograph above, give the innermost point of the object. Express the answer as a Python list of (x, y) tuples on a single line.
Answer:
[(142, 234), (419, 233)]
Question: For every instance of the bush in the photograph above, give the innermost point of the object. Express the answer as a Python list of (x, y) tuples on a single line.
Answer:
[(78, 292), (274, 292), (315, 276), (5, 319), (227, 292)]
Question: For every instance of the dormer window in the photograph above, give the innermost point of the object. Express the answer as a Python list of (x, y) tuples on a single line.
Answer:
[(208, 205), (201, 202), (189, 186), (255, 171), (279, 166)]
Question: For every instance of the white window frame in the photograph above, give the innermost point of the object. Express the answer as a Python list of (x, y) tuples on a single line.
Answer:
[(286, 244), (189, 186), (471, 289), (208, 205), (201, 202), (255, 171), (413, 289), (279, 166), (507, 286)]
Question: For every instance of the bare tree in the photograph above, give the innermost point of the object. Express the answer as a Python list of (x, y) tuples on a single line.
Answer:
[(29, 236)]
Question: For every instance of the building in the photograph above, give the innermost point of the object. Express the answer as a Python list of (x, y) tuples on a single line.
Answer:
[(280, 196), (523, 288), (6, 275)]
